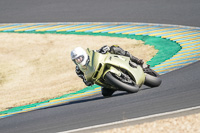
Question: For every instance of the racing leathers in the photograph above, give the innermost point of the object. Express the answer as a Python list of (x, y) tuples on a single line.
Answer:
[(114, 49)]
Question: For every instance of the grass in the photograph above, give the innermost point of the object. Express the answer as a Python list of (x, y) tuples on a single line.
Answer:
[(37, 67)]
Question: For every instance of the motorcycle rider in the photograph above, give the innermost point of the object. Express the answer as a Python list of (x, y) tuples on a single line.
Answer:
[(80, 57)]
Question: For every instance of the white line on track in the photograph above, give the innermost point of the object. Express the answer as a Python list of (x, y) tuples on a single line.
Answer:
[(129, 121)]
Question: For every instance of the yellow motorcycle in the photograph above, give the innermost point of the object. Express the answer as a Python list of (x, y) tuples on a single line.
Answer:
[(116, 72)]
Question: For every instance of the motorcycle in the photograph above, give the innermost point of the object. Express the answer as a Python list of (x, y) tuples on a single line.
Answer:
[(116, 72)]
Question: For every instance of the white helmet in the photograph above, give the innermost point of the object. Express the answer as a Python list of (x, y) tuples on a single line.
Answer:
[(79, 56)]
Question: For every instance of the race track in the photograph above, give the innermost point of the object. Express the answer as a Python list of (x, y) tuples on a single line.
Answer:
[(179, 89), (177, 12)]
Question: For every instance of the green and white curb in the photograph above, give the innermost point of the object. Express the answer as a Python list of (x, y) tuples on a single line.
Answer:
[(179, 46)]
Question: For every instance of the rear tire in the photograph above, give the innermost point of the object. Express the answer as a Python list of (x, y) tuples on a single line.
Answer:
[(121, 85), (152, 81)]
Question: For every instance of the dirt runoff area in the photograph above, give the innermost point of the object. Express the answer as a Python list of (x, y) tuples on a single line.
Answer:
[(38, 67), (183, 124)]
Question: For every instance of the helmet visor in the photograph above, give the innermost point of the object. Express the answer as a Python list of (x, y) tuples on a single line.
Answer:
[(79, 59)]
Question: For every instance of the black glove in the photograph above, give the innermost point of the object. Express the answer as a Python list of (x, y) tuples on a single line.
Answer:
[(88, 83)]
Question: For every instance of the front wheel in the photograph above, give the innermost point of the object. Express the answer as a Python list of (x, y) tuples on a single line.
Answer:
[(112, 80)]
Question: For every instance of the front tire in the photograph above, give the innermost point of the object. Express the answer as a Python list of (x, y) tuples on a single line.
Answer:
[(121, 85)]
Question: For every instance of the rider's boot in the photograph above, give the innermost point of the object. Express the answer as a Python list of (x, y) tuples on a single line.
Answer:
[(134, 59), (106, 92), (146, 68)]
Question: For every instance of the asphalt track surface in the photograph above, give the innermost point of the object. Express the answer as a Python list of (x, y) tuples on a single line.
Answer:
[(180, 88), (178, 12)]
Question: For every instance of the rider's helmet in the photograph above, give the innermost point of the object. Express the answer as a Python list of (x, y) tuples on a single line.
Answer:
[(79, 56)]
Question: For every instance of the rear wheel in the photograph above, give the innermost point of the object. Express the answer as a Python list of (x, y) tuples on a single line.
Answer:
[(111, 79), (152, 79)]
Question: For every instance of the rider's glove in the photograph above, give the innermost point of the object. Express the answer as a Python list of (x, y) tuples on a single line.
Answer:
[(88, 83)]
